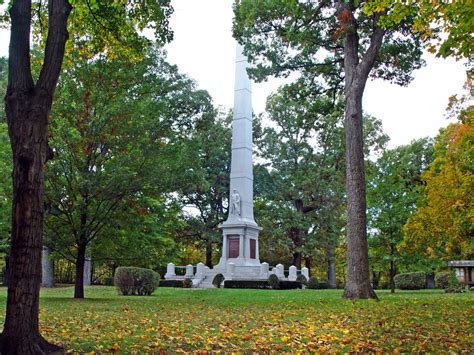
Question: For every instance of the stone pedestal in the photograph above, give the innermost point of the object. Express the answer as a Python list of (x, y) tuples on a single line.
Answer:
[(87, 271), (47, 275)]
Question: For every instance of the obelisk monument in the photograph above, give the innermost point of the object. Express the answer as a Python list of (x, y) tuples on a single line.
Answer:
[(240, 232)]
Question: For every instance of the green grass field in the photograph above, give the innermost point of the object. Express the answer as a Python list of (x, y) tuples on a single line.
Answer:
[(174, 320)]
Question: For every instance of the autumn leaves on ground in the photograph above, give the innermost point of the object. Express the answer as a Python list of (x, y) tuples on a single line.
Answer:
[(173, 320)]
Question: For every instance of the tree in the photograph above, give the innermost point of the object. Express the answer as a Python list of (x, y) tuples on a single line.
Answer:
[(333, 40), (393, 191), (204, 191), (304, 143), (112, 133), (442, 227), (28, 102)]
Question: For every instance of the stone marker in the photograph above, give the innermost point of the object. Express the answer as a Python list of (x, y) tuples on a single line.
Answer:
[(264, 270), (200, 270), (87, 271), (189, 271), (47, 275), (305, 272), (280, 271), (170, 271), (292, 273)]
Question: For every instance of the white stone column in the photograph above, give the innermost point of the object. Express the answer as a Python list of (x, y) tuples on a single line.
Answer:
[(47, 276), (200, 270), (280, 271), (87, 271), (170, 271), (230, 270), (264, 270), (189, 271), (292, 273), (305, 272), (241, 246), (224, 247)]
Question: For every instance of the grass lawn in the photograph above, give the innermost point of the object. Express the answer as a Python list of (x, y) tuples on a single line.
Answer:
[(256, 320)]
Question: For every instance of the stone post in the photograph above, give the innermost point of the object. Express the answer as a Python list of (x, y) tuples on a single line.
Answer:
[(305, 272), (264, 270), (280, 271), (47, 279), (189, 272), (292, 274), (170, 271), (87, 271), (230, 270), (200, 270)]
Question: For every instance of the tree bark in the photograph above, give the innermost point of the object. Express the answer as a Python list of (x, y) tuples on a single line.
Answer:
[(79, 279), (209, 254), (27, 107), (331, 272), (392, 276), (356, 74)]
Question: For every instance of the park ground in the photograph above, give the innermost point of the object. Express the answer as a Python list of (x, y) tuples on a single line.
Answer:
[(173, 320)]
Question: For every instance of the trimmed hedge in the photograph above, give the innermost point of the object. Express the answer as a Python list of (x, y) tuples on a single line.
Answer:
[(260, 284), (290, 285), (313, 283), (410, 281), (217, 281), (302, 279), (274, 281), (171, 283), (136, 281), (323, 285), (445, 279), (187, 283)]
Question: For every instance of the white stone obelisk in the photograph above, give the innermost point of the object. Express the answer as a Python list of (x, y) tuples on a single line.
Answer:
[(240, 232)]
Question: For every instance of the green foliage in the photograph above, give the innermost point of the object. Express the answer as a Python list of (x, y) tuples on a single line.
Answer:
[(302, 279), (393, 189), (313, 283), (442, 227), (114, 161), (218, 279), (410, 281), (136, 281), (435, 20), (274, 281), (445, 279), (187, 283), (246, 284), (284, 36)]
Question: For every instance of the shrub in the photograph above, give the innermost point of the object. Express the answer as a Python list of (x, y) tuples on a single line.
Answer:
[(187, 283), (171, 283), (445, 279), (259, 284), (313, 283), (136, 281), (289, 285), (218, 279), (302, 279), (410, 281), (323, 285), (274, 281)]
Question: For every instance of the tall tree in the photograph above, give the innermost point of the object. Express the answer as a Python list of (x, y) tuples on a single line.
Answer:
[(112, 132), (442, 227), (204, 191), (336, 41), (393, 191), (28, 102), (303, 144)]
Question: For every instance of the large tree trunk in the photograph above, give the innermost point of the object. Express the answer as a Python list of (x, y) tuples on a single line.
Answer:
[(27, 108), (79, 280), (392, 276), (356, 74), (331, 272), (209, 254)]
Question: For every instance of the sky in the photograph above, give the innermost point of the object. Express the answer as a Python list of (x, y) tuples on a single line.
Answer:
[(204, 49)]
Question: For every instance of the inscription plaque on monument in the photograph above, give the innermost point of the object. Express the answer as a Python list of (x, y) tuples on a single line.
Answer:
[(234, 244), (253, 248)]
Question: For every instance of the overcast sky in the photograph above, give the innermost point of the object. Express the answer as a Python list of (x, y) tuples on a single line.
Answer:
[(203, 48)]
